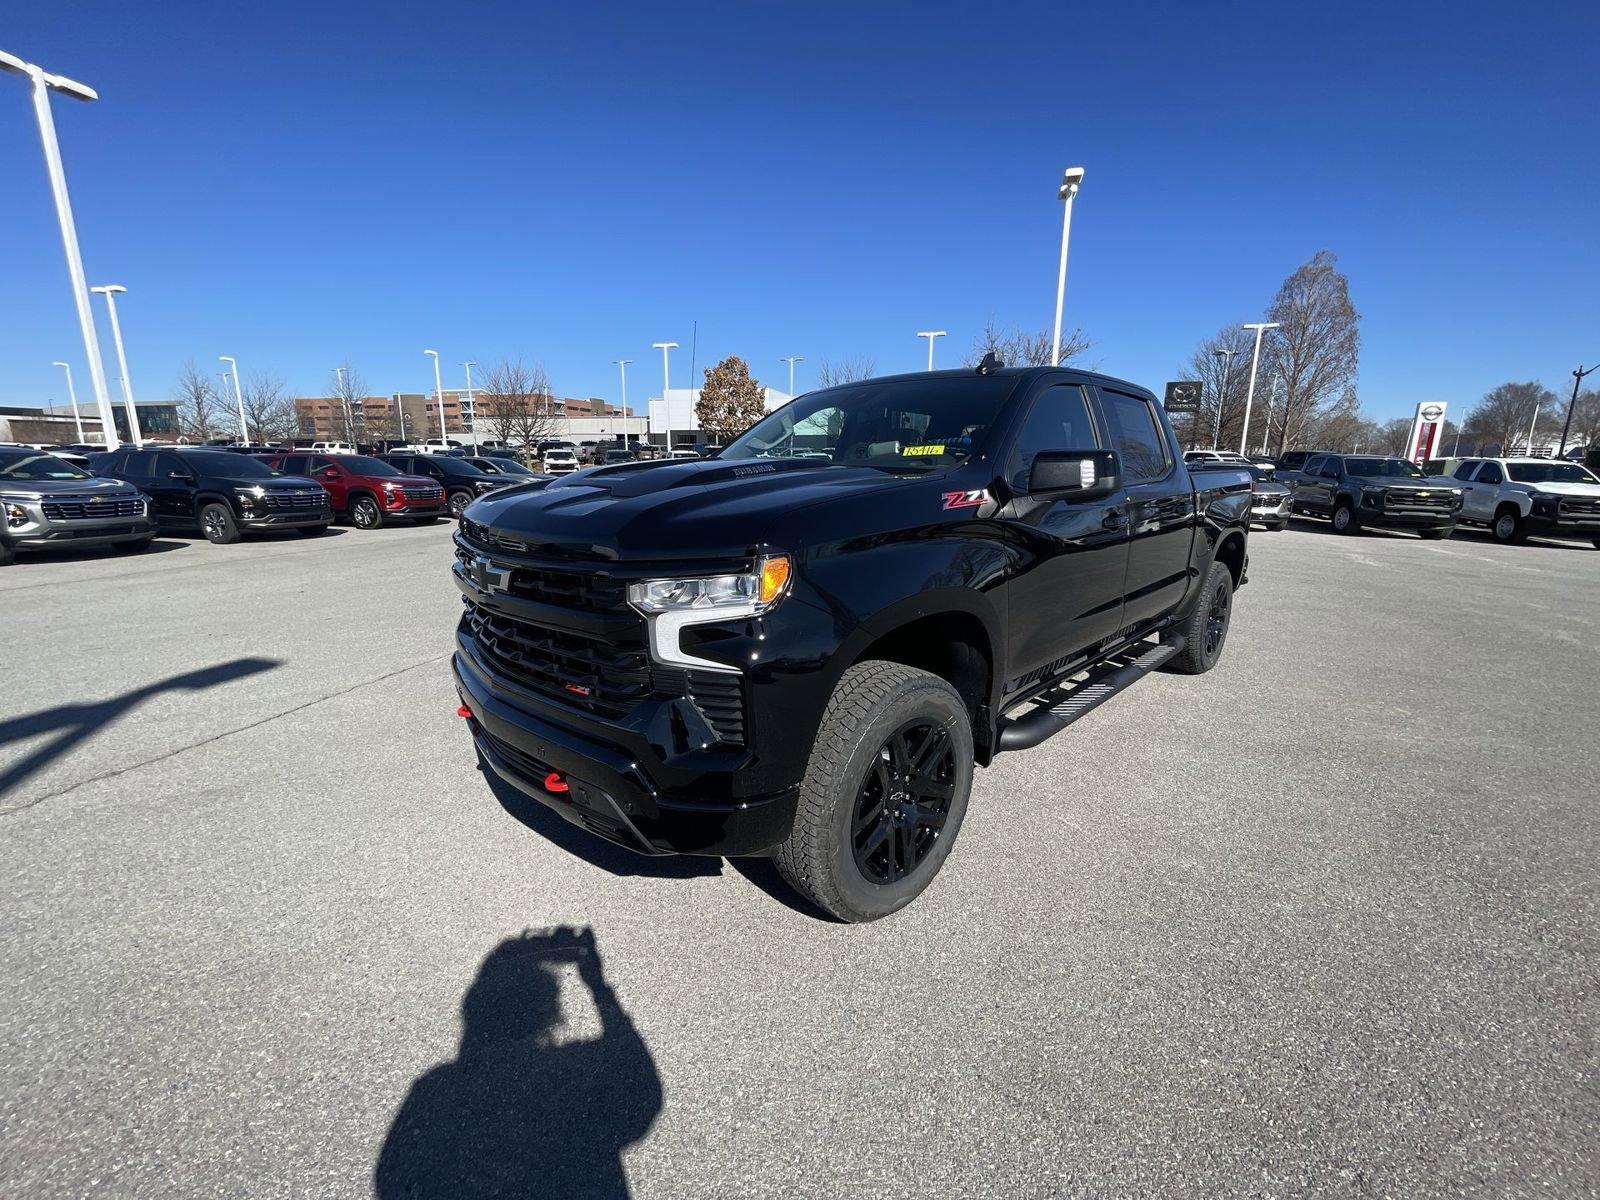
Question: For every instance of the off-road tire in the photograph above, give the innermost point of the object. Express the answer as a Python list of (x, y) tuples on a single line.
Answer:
[(1346, 510), (366, 513), (1203, 643), (218, 525), (872, 701)]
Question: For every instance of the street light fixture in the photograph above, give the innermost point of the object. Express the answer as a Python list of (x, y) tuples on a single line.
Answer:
[(238, 396), (930, 334), (1222, 398), (72, 394), (110, 291), (472, 412), (666, 383), (1071, 181), (791, 361), (622, 364), (438, 395), (1566, 426), (43, 84), (1255, 361)]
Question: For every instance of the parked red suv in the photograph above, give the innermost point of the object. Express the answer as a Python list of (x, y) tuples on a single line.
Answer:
[(368, 490)]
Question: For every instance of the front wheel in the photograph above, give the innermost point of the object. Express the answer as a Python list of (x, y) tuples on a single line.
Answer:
[(365, 513), (1508, 527), (217, 523), (884, 792), (1344, 518)]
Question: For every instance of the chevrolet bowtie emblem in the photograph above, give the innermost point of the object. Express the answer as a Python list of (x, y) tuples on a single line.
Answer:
[(488, 576)]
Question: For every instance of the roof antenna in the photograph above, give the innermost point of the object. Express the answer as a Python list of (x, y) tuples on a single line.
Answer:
[(990, 364)]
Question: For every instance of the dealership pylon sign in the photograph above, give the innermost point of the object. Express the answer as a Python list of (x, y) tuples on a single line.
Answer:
[(1427, 431)]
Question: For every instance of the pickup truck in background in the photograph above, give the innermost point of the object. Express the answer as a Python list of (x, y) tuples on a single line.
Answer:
[(804, 646), (1517, 497), (1355, 491)]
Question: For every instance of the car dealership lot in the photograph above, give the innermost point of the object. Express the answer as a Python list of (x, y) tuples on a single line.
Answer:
[(1343, 941)]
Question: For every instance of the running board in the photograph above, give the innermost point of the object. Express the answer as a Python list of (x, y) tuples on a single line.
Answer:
[(1054, 710)]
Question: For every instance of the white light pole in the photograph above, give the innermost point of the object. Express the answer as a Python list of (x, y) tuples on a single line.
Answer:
[(930, 334), (471, 411), (43, 85), (622, 364), (438, 394), (1222, 398), (1272, 403), (666, 383), (72, 394), (797, 358), (238, 395), (1071, 181), (344, 403), (1255, 361), (110, 291)]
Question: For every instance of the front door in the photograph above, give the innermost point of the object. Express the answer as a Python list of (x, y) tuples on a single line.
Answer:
[(1066, 596), (1479, 503)]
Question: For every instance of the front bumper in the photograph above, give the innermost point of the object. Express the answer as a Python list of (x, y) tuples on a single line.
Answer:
[(1266, 514), (1543, 522), (299, 518), (434, 509), (611, 790)]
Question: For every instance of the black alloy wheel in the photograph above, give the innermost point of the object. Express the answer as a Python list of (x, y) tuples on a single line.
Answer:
[(1216, 630), (904, 801), (459, 502)]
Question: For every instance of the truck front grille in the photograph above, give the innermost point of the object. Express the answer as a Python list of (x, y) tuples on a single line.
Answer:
[(74, 509), (293, 500), (1405, 498), (420, 492), (1583, 506)]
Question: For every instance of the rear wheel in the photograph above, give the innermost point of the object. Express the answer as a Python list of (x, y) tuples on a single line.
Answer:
[(1206, 630), (1508, 527), (365, 513), (217, 523), (1344, 518), (884, 793), (459, 502)]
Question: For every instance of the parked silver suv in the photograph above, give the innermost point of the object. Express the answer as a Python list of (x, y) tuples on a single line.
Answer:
[(1516, 497), (47, 502)]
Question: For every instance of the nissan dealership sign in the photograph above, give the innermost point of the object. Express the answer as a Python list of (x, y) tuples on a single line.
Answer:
[(1427, 432)]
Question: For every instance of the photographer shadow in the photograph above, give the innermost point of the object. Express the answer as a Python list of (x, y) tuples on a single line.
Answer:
[(519, 1113)]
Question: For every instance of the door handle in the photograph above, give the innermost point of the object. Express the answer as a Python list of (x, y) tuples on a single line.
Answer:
[(1115, 518)]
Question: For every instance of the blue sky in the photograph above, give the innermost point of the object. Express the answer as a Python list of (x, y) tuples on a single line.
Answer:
[(298, 185)]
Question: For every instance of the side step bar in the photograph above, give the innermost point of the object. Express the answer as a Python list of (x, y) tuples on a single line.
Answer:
[(1053, 711)]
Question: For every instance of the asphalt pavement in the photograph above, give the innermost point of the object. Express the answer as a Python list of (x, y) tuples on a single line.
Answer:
[(1320, 922)]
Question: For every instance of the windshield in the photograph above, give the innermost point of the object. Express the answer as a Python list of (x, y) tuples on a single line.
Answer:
[(1383, 468), (911, 425), (365, 464), (27, 464), (505, 466), (1549, 472), (228, 466)]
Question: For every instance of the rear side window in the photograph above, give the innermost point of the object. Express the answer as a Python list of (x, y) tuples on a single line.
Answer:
[(294, 464), (141, 464), (1135, 435), (1490, 472), (1058, 420)]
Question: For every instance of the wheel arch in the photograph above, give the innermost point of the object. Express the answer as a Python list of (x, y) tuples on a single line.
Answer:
[(1231, 553)]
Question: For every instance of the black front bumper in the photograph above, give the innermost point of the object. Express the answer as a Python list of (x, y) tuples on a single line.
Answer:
[(1567, 525), (293, 519), (1392, 520), (609, 791)]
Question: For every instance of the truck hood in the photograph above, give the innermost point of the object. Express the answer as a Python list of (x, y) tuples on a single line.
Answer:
[(669, 508), (43, 488), (1561, 489)]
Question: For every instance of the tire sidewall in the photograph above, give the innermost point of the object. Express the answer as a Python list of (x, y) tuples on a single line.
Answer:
[(920, 699)]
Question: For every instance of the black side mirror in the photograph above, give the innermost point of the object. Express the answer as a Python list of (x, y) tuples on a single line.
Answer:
[(1075, 474)]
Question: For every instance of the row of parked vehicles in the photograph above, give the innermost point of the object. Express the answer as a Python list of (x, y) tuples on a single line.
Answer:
[(1512, 498)]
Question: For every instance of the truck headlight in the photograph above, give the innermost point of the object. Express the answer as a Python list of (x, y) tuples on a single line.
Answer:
[(671, 605), (16, 515)]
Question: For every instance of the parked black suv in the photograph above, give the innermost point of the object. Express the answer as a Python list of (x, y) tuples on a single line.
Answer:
[(805, 645), (1356, 490), (462, 482), (220, 493)]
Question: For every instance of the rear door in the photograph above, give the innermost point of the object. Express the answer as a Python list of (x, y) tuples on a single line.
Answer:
[(1160, 509), (1067, 594)]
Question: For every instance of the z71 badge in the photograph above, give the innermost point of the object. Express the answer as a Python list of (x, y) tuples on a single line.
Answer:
[(964, 499)]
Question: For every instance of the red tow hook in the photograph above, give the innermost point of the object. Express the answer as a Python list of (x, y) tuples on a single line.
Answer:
[(555, 784), (464, 713)]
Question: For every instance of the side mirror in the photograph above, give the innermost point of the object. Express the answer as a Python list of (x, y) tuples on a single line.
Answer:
[(1078, 475)]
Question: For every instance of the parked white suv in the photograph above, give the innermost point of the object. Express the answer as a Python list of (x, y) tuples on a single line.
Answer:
[(1516, 497), (333, 448), (559, 460)]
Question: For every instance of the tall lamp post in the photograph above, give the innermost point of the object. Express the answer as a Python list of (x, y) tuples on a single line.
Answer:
[(1255, 361), (238, 396), (472, 412), (1222, 397), (1566, 426), (344, 403), (666, 383), (43, 84), (110, 291), (1071, 181), (1272, 403), (791, 360), (438, 396), (622, 365), (930, 334), (72, 395)]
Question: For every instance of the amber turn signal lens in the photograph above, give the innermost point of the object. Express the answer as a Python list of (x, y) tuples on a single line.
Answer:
[(774, 577)]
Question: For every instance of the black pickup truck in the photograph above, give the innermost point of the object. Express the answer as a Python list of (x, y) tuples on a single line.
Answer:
[(804, 645)]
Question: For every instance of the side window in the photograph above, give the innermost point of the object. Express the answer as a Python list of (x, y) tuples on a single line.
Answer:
[(1313, 466), (1058, 420), (1465, 470), (294, 464), (1136, 436), (168, 464), (1490, 472), (140, 464), (1330, 468)]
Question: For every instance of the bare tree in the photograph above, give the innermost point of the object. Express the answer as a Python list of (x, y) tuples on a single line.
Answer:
[(268, 411), (832, 373), (730, 400), (1505, 414), (1316, 348), (199, 405), (1225, 381), (1585, 429), (347, 389), (1019, 348), (516, 404)]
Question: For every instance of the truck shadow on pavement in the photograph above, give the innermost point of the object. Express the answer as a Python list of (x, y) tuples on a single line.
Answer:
[(519, 1112), (77, 722), (592, 849)]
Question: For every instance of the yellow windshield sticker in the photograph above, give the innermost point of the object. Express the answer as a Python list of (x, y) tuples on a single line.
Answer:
[(911, 450)]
